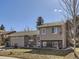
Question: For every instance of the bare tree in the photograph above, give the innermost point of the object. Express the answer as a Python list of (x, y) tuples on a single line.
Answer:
[(71, 7)]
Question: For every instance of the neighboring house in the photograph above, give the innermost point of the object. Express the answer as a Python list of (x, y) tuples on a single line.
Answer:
[(53, 35), (23, 39), (3, 36)]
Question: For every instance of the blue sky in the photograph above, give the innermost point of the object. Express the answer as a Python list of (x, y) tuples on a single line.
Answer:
[(18, 14)]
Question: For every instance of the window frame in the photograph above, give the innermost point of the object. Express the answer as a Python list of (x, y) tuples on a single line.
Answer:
[(56, 30), (43, 31)]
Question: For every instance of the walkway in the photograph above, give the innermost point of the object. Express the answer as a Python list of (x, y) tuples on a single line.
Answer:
[(2, 57)]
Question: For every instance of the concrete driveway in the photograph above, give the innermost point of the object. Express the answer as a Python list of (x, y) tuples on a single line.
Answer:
[(2, 57)]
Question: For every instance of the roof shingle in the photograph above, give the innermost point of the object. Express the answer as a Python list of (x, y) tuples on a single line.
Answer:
[(24, 33), (51, 24)]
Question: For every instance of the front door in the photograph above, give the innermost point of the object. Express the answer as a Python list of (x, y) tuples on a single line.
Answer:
[(49, 44), (55, 45)]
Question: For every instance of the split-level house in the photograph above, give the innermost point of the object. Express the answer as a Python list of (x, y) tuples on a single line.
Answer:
[(53, 35), (23, 39), (48, 35)]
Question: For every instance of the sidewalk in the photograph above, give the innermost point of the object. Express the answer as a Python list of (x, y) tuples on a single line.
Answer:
[(2, 57)]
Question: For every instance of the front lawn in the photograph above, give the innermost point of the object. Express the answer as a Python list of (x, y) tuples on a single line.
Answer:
[(37, 53)]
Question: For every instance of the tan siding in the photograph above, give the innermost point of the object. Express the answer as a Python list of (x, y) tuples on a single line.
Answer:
[(54, 36), (49, 35), (64, 35), (18, 40)]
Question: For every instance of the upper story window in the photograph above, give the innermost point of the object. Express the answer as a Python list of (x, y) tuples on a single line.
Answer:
[(43, 31), (56, 30)]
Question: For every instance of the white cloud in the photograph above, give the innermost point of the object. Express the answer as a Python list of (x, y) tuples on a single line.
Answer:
[(59, 10), (55, 10)]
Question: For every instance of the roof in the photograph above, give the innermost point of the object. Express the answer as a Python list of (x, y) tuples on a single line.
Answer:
[(7, 32), (24, 33), (51, 24)]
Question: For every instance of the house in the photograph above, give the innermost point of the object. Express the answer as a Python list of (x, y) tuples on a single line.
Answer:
[(23, 39), (53, 35), (3, 36)]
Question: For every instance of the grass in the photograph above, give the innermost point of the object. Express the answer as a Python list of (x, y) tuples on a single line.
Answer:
[(37, 53), (77, 49), (51, 52), (77, 52)]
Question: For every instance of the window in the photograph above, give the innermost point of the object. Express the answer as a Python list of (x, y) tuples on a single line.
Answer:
[(44, 31), (56, 30), (53, 30), (59, 30), (60, 44), (44, 44), (55, 44)]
